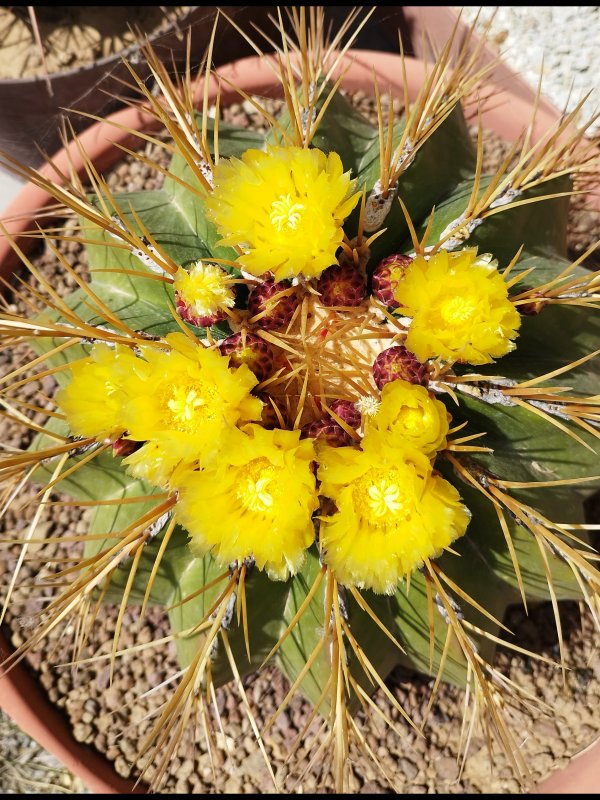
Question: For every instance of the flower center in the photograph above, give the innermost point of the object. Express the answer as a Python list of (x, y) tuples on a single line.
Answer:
[(458, 309), (285, 213), (412, 419), (384, 498), (184, 403), (380, 499), (189, 405), (256, 485)]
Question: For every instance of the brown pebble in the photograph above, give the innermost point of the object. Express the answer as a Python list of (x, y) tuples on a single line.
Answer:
[(82, 731), (122, 767), (447, 768), (408, 769)]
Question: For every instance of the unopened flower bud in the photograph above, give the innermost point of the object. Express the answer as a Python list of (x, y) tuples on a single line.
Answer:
[(124, 447), (386, 277), (247, 348), (203, 293), (398, 362), (342, 285), (187, 314), (347, 411), (534, 307), (328, 432), (279, 310)]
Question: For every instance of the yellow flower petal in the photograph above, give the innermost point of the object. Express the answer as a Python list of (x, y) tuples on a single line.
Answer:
[(180, 402), (204, 288), (392, 514), (408, 417), (256, 500), (459, 307), (285, 208), (187, 399), (93, 400)]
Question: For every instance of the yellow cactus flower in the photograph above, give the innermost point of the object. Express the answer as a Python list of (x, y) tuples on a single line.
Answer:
[(184, 401), (93, 400), (408, 416), (204, 289), (158, 462), (256, 500), (179, 402), (392, 514), (284, 208), (459, 307)]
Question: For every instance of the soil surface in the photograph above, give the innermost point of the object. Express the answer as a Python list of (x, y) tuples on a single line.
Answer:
[(113, 718), (25, 768), (72, 36)]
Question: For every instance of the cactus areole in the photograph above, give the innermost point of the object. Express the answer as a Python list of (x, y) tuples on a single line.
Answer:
[(337, 445)]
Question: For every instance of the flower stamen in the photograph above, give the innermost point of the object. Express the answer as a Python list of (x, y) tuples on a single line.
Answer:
[(384, 498), (368, 405), (255, 481), (184, 403), (255, 497), (458, 309), (285, 213)]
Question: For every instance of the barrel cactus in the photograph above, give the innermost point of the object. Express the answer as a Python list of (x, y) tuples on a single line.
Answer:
[(330, 393)]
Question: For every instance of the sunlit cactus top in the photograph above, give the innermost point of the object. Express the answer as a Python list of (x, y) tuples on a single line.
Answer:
[(244, 492)]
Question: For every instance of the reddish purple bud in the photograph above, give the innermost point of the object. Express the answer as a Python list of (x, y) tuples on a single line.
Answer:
[(534, 307), (342, 285), (247, 348), (347, 411), (279, 311), (398, 362), (327, 431), (125, 447), (386, 276), (186, 314)]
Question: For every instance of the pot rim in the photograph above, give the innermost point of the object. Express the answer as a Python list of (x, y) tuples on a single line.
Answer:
[(105, 61), (101, 143), (255, 75)]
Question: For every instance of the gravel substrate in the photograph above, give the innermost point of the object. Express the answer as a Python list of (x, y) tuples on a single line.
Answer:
[(562, 39), (114, 720), (25, 768)]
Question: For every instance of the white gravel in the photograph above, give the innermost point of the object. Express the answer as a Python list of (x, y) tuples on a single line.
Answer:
[(565, 39), (25, 768)]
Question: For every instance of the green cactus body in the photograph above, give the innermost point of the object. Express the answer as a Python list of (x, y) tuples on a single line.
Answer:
[(443, 615)]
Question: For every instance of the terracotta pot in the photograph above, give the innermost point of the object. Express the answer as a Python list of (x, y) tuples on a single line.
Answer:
[(19, 694), (425, 26), (22, 698), (31, 116)]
